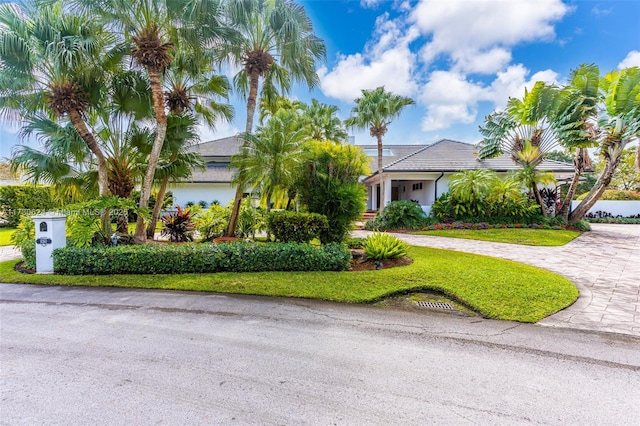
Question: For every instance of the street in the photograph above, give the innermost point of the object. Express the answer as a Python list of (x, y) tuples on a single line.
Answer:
[(77, 356)]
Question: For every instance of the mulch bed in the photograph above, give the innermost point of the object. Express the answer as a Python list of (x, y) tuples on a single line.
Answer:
[(358, 264), (21, 268)]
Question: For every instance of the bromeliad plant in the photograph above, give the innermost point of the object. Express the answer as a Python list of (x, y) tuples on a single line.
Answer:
[(380, 246), (178, 226)]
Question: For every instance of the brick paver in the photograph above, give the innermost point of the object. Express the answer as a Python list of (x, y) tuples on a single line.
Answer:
[(604, 264)]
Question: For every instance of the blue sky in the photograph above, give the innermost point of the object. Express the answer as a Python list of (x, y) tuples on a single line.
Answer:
[(459, 60)]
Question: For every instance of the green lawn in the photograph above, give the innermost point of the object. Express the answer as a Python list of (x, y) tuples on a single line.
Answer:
[(524, 236), (495, 288), (5, 236)]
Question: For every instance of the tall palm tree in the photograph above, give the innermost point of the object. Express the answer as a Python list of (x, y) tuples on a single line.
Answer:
[(375, 110), (273, 154), (153, 29), (323, 122), (618, 125), (276, 45), (54, 63), (191, 88)]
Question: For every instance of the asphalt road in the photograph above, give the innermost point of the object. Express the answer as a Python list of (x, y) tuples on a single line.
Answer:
[(80, 356)]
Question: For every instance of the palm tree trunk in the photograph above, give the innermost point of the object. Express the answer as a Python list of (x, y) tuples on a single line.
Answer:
[(103, 175), (380, 175), (155, 216), (578, 167), (611, 164), (161, 131), (251, 110), (638, 156)]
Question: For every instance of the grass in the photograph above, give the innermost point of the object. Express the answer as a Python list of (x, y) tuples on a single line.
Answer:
[(5, 236), (524, 236), (494, 288)]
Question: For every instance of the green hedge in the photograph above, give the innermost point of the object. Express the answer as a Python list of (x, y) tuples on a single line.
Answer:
[(289, 226), (200, 258), (28, 250), (24, 200), (615, 195)]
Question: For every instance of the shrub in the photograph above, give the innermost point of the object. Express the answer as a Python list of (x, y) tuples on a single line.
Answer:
[(328, 184), (355, 242), (211, 223), (24, 200), (296, 227), (379, 246), (28, 250), (399, 215), (615, 195), (200, 258), (582, 225), (178, 226)]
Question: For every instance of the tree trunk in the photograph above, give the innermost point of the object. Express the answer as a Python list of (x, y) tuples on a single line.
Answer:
[(596, 192), (103, 173), (536, 193), (251, 110), (578, 167), (161, 131), (380, 175), (155, 216), (638, 156)]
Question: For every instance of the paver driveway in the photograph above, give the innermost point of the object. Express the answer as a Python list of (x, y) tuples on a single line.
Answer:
[(604, 264)]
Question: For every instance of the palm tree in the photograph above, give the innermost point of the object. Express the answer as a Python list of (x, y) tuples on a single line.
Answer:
[(154, 29), (323, 122), (276, 45), (471, 186), (375, 110), (273, 154), (192, 87), (54, 64), (618, 125)]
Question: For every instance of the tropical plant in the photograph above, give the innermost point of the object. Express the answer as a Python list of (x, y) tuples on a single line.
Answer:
[(375, 110), (471, 187), (54, 64), (380, 246), (399, 215), (287, 226), (277, 45), (323, 123), (151, 31), (271, 156), (329, 185), (178, 226), (211, 223), (618, 125)]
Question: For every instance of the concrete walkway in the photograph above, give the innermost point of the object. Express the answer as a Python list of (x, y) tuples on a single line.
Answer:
[(604, 264)]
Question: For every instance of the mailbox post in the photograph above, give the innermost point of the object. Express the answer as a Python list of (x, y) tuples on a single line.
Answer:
[(50, 235)]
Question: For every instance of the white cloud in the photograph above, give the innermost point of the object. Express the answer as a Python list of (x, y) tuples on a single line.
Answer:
[(485, 62), (370, 4), (631, 60), (388, 61), (222, 129), (450, 98), (462, 29)]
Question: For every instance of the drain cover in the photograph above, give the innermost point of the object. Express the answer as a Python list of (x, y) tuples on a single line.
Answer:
[(435, 305)]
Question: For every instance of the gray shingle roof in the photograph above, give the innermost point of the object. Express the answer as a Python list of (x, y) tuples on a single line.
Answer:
[(225, 147), (396, 152), (213, 174), (452, 156)]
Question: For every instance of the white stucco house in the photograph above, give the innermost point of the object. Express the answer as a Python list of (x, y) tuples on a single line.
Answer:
[(412, 172)]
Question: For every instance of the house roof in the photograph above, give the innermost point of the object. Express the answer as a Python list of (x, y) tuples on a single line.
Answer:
[(390, 153), (213, 174), (452, 156), (225, 147)]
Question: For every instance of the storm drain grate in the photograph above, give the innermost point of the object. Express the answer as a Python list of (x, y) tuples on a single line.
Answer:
[(435, 305)]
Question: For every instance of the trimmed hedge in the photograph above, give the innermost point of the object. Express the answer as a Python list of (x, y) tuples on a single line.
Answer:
[(200, 258), (289, 226), (28, 250), (24, 200)]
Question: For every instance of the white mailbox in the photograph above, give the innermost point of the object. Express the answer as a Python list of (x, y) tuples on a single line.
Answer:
[(50, 234)]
